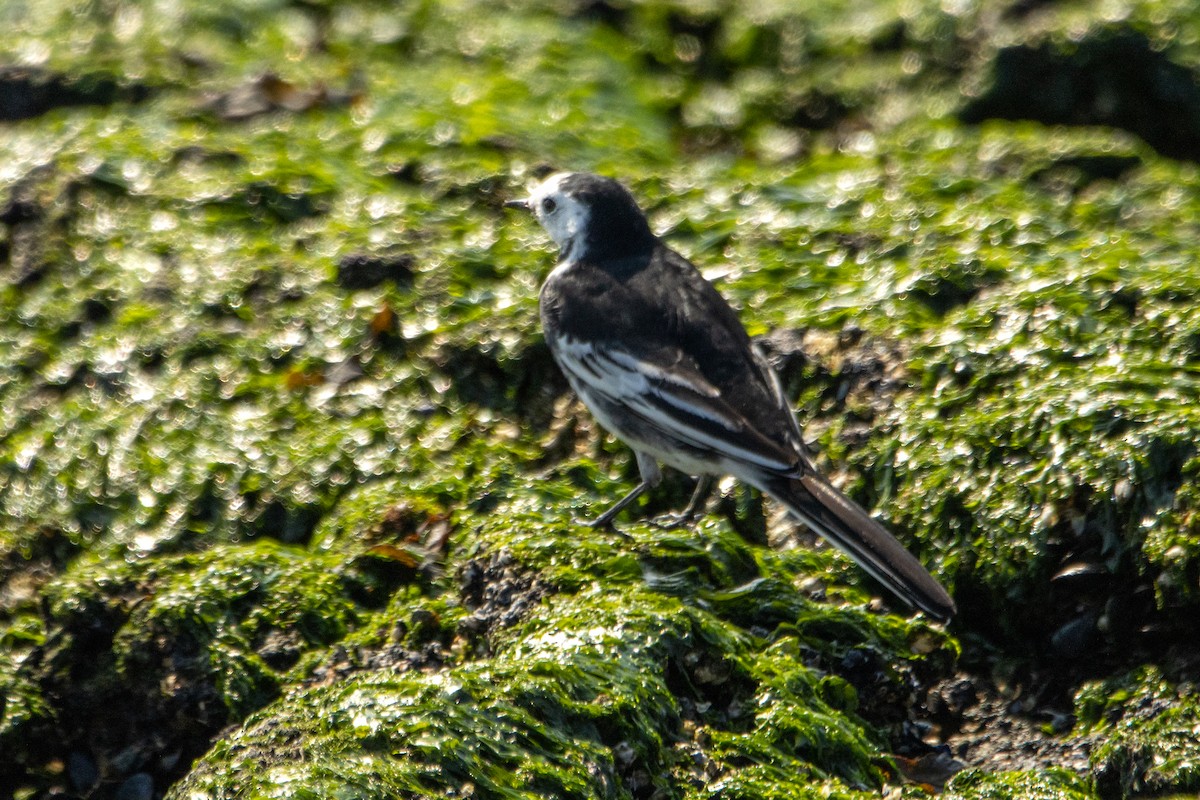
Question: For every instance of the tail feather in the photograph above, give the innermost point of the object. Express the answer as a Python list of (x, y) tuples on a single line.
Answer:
[(820, 506)]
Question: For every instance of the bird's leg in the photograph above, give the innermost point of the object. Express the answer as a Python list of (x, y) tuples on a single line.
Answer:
[(651, 477), (605, 519), (693, 510)]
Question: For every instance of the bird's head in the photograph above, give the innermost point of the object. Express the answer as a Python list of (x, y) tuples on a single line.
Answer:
[(588, 215)]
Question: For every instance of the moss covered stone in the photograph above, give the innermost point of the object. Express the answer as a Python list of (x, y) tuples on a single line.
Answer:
[(281, 448), (163, 652), (1052, 784), (601, 694), (1149, 727)]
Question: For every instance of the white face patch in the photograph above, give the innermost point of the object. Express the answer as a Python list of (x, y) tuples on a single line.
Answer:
[(563, 216)]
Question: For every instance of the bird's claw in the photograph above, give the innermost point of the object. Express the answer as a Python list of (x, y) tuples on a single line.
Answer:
[(670, 522), (601, 524)]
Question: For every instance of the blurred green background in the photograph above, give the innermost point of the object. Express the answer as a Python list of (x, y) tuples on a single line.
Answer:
[(288, 478)]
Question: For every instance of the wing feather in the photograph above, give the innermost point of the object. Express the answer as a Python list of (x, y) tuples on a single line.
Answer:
[(678, 400)]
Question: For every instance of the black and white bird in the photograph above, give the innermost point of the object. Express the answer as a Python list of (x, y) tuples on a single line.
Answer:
[(663, 362)]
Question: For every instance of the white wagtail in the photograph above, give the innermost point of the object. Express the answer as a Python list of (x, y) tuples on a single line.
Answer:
[(663, 363)]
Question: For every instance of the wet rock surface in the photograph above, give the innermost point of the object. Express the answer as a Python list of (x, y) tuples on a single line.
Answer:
[(289, 481)]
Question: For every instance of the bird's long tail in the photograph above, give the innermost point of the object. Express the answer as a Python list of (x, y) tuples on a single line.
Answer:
[(820, 506)]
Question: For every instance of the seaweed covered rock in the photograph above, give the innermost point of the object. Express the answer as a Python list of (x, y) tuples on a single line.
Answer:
[(1148, 724), (599, 694), (286, 469), (162, 653)]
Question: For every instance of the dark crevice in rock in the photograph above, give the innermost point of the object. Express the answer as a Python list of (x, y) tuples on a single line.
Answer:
[(1114, 77), (26, 93), (995, 729), (525, 383), (366, 270)]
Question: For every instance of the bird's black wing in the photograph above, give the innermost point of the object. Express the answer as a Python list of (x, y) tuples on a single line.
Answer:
[(651, 334)]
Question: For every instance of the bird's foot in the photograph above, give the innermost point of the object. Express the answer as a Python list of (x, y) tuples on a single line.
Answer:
[(670, 522), (694, 510), (604, 522)]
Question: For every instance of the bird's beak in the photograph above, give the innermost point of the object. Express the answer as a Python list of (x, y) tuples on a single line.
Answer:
[(522, 204)]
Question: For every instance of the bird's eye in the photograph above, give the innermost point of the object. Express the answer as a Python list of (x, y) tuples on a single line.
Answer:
[(548, 205)]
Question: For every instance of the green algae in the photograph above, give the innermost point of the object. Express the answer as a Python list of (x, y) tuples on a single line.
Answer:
[(292, 163), (1149, 729), (186, 642), (186, 380), (1051, 784), (585, 700), (540, 719)]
